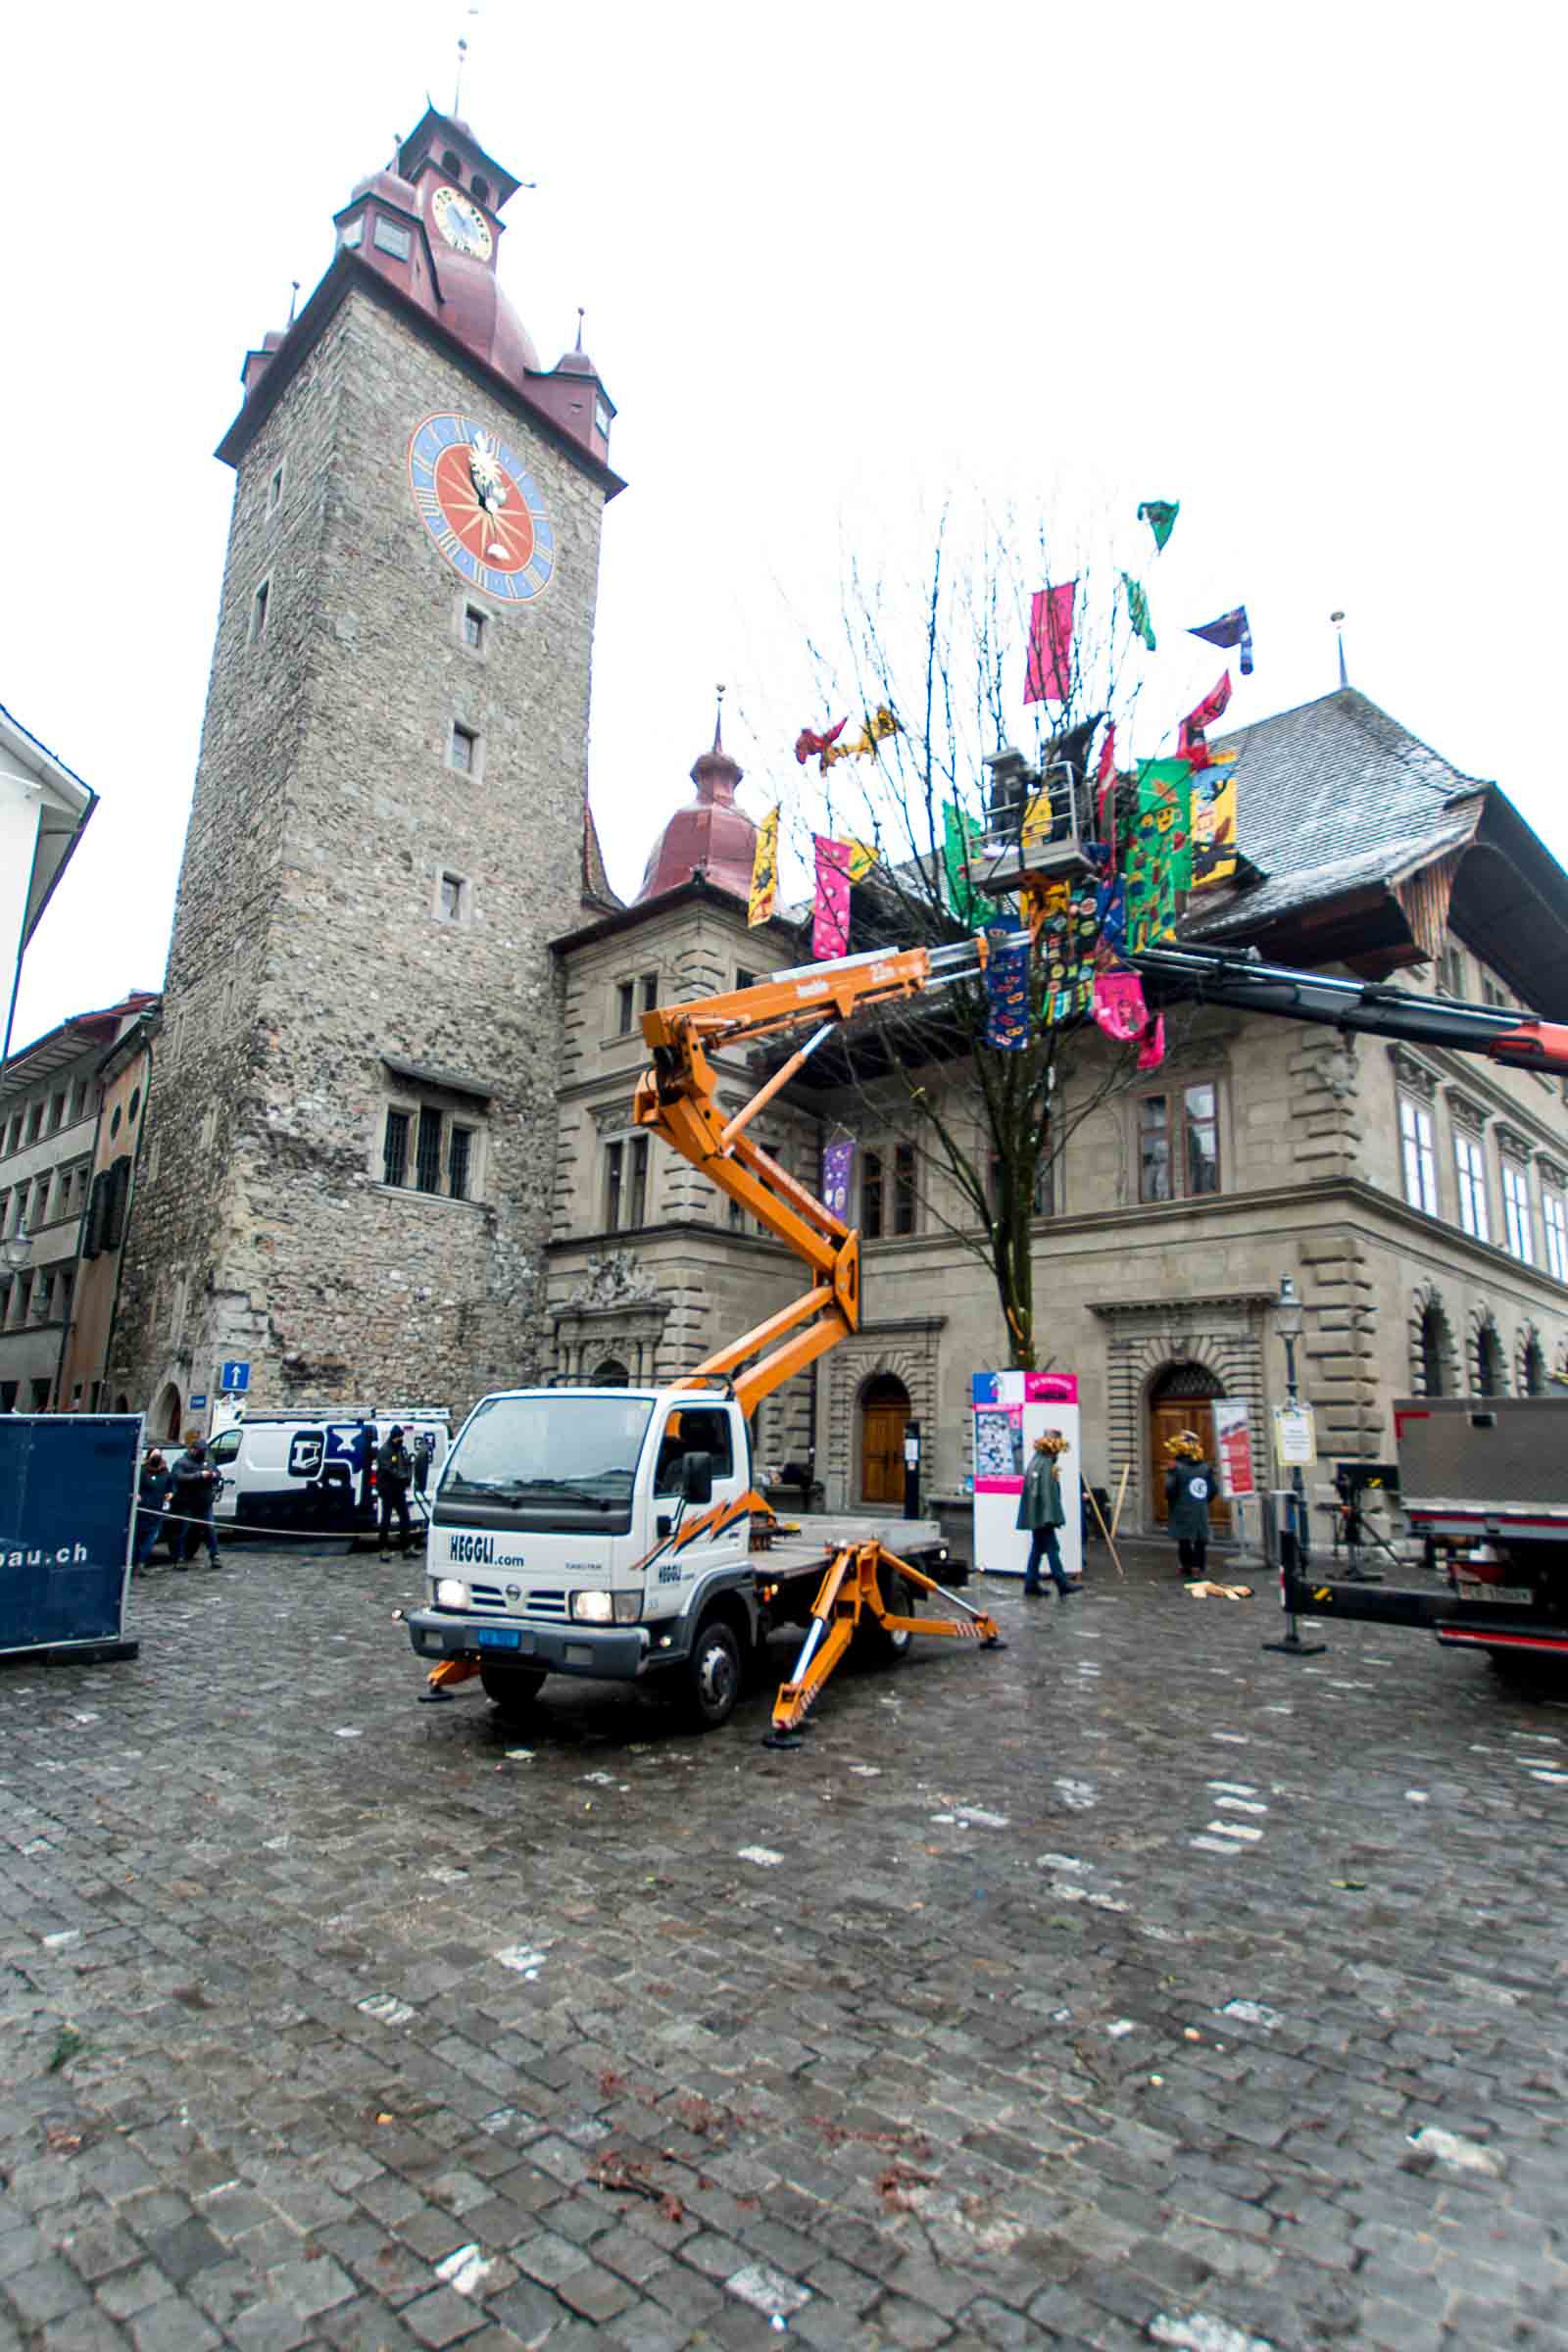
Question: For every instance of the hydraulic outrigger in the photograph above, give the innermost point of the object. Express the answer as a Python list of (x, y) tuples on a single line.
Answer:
[(677, 1099)]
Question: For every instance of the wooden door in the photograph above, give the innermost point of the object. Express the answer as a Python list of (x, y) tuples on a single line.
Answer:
[(1166, 1419), (882, 1454)]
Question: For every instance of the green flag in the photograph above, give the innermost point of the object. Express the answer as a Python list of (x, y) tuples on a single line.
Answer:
[(1138, 610), (1161, 516), (1166, 795), (958, 830)]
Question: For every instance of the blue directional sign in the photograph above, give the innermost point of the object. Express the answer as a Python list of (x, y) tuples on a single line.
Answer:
[(234, 1379)]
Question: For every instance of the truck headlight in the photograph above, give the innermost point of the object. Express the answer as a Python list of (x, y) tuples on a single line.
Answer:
[(607, 1608), (450, 1593)]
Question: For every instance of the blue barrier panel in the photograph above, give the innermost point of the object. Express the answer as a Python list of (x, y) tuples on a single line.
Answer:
[(68, 1489)]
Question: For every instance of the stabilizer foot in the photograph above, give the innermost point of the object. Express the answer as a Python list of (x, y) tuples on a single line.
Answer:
[(782, 1739), (435, 1699)]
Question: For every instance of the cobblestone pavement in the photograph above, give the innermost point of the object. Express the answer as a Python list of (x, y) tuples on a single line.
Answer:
[(1124, 1987)]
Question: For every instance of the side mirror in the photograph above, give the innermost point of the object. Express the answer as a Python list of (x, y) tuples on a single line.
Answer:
[(697, 1477)]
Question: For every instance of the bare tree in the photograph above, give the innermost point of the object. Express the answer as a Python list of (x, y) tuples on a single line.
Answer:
[(991, 1124)]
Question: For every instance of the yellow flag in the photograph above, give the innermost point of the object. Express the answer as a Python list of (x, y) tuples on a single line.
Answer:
[(861, 860), (765, 872)]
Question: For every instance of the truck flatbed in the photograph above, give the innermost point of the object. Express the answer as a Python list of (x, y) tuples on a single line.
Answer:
[(800, 1545)]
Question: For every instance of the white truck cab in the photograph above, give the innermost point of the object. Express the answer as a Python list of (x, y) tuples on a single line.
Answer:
[(550, 1546)]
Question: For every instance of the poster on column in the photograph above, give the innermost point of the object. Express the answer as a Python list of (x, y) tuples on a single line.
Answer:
[(1010, 1410), (1233, 1445)]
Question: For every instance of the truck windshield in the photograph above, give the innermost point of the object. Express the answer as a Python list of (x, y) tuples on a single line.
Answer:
[(558, 1459)]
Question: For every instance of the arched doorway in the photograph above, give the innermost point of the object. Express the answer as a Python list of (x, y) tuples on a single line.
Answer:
[(1179, 1398), (611, 1374), (884, 1416), (164, 1417)]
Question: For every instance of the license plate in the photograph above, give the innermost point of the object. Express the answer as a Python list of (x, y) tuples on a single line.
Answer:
[(498, 1636)]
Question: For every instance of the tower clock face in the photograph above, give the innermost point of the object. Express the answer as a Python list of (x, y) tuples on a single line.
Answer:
[(481, 507), (461, 224)]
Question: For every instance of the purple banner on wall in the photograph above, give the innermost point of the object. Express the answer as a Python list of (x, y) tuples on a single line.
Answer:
[(838, 1174)]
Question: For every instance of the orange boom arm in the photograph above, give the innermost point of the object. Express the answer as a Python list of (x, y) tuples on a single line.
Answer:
[(678, 1099)]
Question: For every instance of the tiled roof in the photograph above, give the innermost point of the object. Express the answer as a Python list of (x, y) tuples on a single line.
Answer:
[(1333, 796)]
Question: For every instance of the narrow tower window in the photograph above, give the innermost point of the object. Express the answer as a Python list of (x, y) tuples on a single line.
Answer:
[(473, 621), (258, 610), (465, 753), (274, 490)]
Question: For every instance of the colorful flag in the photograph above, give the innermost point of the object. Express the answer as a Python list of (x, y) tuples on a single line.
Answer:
[(1189, 735), (1158, 858), (1064, 943), (958, 830), (1110, 913), (830, 925), (861, 860), (1214, 822), (1138, 610), (1151, 1052), (1231, 629), (1161, 516), (765, 872), (1120, 1007), (1048, 679), (1007, 989), (838, 1173)]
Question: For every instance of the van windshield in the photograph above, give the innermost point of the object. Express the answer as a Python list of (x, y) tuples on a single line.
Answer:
[(560, 1460)]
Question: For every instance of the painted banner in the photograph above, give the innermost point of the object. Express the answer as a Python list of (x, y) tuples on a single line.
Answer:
[(960, 831), (838, 1176), (765, 872), (1232, 1442), (1192, 743), (830, 924), (863, 856), (1008, 990), (1214, 822), (1048, 676)]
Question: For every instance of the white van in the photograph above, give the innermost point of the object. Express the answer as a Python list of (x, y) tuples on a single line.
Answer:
[(316, 1471)]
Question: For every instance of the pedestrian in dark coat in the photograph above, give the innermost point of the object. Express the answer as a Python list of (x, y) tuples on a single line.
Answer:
[(152, 1499), (1042, 1511), (393, 1470), (1189, 1484), (190, 1503)]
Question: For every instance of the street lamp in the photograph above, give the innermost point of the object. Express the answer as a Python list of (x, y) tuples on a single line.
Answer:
[(1288, 1316), (18, 1249)]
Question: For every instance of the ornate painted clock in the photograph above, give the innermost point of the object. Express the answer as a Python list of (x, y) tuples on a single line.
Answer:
[(481, 507)]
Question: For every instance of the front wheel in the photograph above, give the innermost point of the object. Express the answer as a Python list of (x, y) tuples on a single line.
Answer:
[(883, 1644), (713, 1676), (513, 1687)]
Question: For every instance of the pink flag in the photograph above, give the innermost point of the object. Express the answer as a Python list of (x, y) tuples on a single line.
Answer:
[(1119, 1006), (1151, 1052), (830, 924), (1189, 735), (1048, 679)]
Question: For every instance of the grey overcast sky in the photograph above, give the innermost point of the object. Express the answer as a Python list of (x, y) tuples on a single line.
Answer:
[(1292, 265)]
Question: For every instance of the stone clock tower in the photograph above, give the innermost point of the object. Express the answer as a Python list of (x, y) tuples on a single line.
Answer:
[(349, 1173)]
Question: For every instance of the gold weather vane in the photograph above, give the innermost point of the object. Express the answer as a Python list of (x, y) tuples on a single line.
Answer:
[(1338, 619), (462, 55)]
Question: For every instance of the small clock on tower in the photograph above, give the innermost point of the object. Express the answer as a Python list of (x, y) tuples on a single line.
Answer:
[(461, 224)]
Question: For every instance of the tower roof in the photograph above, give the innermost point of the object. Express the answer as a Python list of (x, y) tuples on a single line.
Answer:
[(709, 836)]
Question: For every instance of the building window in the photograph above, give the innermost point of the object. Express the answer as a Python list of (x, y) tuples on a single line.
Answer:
[(258, 610), (390, 238), (34, 1122), (625, 1183), (274, 490), (601, 417), (42, 1296), (480, 188), (1533, 1368), (903, 1194), (626, 1008), (57, 1112), (451, 163), (1452, 974), (1420, 1162), (353, 231), (1493, 992), (451, 898), (395, 1148), (1178, 1144), (1043, 1199), (1470, 1161), (871, 1195), (458, 1158), (463, 754), (474, 628), (1490, 1372), (427, 1151), (1554, 1216), (1516, 1212), (650, 990), (745, 979)]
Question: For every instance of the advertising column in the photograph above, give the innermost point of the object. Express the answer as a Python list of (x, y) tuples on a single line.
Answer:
[(1010, 1410)]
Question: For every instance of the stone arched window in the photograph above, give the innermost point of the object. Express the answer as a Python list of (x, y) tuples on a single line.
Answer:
[(1490, 1363), (1434, 1365), (1530, 1370), (611, 1374)]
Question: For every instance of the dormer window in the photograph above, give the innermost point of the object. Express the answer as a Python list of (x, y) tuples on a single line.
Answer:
[(482, 189), (451, 163)]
